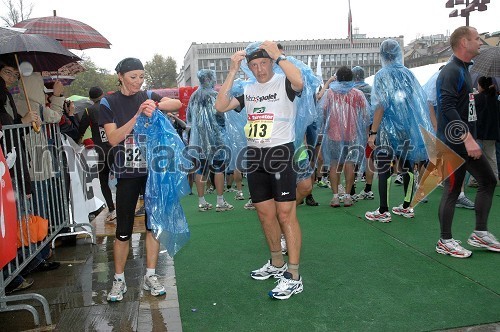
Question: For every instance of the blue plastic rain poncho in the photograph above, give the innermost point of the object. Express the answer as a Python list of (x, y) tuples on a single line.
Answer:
[(236, 139), (304, 103), (167, 179), (346, 115), (207, 136), (396, 89)]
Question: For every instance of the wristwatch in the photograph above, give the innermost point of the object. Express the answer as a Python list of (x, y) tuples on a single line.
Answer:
[(281, 57), (372, 133)]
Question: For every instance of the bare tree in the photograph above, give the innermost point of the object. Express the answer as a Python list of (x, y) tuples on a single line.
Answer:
[(17, 11)]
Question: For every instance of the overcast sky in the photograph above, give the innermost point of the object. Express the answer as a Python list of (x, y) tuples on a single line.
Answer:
[(169, 27)]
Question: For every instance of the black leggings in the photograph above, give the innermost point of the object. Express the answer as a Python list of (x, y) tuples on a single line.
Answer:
[(104, 170), (383, 168), (127, 194), (480, 169)]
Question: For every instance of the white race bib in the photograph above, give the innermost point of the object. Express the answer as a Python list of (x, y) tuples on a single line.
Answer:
[(133, 156), (259, 127), (102, 133), (472, 108)]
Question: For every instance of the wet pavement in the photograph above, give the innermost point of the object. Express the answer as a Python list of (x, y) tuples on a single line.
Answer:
[(77, 290)]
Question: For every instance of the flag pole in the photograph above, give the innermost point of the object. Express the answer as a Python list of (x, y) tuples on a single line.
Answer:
[(349, 30)]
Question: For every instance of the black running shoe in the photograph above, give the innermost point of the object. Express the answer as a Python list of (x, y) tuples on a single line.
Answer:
[(310, 201)]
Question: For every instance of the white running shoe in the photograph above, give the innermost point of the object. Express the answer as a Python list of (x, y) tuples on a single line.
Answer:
[(249, 205), (223, 207), (152, 284), (366, 195), (401, 211), (205, 207), (239, 196), (268, 271), (453, 248), (116, 293), (377, 216), (488, 241), (464, 202), (287, 286)]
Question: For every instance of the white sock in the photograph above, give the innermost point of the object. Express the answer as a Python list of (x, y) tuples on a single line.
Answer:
[(481, 233), (120, 276), (220, 199), (201, 200), (446, 240), (462, 194), (150, 272)]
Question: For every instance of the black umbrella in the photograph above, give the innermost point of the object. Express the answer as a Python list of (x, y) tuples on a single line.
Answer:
[(44, 53), (9, 32)]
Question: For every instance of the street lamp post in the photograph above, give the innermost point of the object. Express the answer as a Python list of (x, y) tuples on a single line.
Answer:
[(470, 6)]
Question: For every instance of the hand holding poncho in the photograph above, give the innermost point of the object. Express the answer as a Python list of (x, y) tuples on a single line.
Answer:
[(167, 180), (304, 102)]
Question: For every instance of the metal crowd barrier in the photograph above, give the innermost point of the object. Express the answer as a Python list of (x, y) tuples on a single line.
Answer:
[(42, 155)]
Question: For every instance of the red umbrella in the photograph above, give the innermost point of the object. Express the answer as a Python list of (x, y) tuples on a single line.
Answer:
[(71, 69), (71, 33)]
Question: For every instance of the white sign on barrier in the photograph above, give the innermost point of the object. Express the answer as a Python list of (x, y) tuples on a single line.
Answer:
[(86, 195)]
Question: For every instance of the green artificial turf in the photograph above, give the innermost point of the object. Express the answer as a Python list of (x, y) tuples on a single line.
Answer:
[(358, 275)]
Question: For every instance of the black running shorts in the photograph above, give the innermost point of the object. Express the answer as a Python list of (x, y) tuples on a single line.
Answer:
[(271, 174)]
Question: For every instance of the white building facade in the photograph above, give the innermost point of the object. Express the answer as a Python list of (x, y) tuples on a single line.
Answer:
[(364, 52)]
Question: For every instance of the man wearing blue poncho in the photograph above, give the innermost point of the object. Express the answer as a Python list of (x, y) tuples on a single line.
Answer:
[(206, 141), (400, 109), (270, 133)]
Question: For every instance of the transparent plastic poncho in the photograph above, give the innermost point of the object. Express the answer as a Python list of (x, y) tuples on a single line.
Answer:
[(346, 117), (396, 89), (167, 180), (430, 90), (207, 135), (305, 101), (236, 139)]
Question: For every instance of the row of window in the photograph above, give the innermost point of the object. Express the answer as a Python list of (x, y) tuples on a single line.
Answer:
[(336, 46), (328, 60), (327, 72), (298, 47)]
